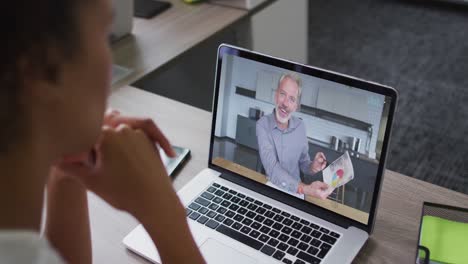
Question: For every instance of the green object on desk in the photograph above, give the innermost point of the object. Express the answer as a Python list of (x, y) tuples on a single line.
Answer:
[(445, 239), (192, 1)]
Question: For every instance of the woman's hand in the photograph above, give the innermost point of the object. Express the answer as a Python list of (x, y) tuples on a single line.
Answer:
[(124, 168), (113, 119)]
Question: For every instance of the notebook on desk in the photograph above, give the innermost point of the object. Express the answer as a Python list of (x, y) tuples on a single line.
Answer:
[(261, 198)]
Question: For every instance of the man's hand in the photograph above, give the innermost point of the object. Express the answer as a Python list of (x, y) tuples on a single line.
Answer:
[(316, 189), (319, 163)]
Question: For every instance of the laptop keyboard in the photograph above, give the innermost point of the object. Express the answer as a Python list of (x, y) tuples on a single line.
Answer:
[(261, 226)]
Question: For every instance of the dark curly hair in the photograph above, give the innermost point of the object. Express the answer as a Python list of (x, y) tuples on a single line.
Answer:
[(30, 29)]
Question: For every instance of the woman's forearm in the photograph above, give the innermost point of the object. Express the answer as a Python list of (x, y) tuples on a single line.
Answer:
[(67, 222), (171, 235)]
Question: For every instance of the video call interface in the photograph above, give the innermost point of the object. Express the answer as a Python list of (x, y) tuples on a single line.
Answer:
[(312, 138)]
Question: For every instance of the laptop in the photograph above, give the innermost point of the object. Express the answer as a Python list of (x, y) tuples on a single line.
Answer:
[(247, 206)]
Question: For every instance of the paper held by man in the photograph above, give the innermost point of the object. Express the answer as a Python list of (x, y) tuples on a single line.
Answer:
[(339, 172)]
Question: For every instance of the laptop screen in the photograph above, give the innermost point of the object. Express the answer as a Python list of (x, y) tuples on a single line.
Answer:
[(303, 131)]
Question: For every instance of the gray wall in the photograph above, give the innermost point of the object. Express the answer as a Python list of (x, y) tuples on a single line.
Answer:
[(281, 29)]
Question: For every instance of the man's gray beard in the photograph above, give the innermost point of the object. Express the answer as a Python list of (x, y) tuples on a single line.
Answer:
[(279, 118)]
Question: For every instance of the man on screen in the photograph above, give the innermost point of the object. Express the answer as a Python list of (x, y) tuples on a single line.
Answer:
[(283, 144)]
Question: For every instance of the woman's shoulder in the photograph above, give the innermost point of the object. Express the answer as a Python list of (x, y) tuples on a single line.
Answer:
[(23, 246)]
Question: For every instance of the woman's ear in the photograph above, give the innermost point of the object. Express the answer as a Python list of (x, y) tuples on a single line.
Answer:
[(40, 77)]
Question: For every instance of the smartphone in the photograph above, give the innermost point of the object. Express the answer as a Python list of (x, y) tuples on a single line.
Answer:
[(172, 164)]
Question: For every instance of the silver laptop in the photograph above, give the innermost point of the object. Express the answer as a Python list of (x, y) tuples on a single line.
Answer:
[(296, 163)]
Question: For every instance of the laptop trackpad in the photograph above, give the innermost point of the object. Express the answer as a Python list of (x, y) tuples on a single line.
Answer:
[(216, 252)]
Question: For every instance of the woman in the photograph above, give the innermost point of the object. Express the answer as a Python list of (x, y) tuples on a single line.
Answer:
[(54, 77)]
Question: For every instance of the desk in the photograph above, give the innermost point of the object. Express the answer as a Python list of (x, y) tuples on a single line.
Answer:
[(156, 42), (395, 235)]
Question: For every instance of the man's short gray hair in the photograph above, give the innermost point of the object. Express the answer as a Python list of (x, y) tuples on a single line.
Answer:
[(297, 79)]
